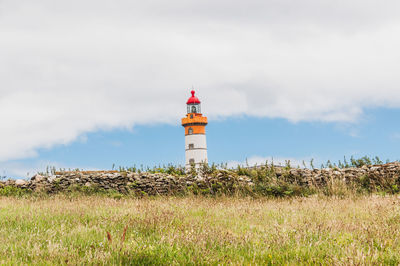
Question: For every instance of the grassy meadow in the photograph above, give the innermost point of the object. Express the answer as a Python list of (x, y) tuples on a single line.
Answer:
[(199, 230)]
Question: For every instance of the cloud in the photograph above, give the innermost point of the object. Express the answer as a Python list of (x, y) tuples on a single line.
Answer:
[(72, 67), (21, 169), (15, 169), (395, 136)]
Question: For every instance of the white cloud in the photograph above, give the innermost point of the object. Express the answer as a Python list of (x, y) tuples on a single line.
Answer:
[(70, 67), (395, 136), (20, 169)]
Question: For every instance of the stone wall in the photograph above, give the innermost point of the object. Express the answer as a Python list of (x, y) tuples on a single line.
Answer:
[(377, 175), (387, 175), (129, 182)]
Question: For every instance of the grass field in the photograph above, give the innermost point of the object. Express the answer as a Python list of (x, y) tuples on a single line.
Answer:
[(196, 230)]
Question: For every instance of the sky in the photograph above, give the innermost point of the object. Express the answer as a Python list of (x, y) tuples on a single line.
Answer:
[(90, 84)]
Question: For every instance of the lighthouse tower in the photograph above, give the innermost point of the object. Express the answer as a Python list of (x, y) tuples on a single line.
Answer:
[(195, 133)]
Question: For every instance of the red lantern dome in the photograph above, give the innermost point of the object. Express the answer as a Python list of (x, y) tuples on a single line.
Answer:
[(193, 99)]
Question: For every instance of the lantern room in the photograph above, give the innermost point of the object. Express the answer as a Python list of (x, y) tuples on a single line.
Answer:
[(193, 104)]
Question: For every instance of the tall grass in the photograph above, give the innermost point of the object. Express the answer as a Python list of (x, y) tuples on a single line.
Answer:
[(199, 230)]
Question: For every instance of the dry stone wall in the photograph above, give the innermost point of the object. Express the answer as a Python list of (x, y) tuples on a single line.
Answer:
[(221, 180), (129, 182)]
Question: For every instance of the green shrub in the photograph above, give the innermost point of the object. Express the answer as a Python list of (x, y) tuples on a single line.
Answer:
[(365, 182), (14, 191)]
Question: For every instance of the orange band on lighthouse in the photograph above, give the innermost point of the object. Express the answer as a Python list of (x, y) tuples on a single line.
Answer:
[(197, 118), (195, 130)]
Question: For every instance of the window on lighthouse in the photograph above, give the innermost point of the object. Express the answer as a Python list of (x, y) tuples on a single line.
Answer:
[(194, 108), (190, 131), (191, 146)]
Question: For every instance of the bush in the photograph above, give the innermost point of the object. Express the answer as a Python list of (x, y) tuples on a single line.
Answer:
[(13, 191)]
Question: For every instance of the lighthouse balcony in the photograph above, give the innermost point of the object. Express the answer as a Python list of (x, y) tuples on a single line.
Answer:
[(195, 120)]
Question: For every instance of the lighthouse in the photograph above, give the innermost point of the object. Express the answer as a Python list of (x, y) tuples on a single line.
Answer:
[(195, 134)]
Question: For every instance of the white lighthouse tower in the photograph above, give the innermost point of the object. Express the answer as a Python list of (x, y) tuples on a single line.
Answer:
[(195, 134)]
